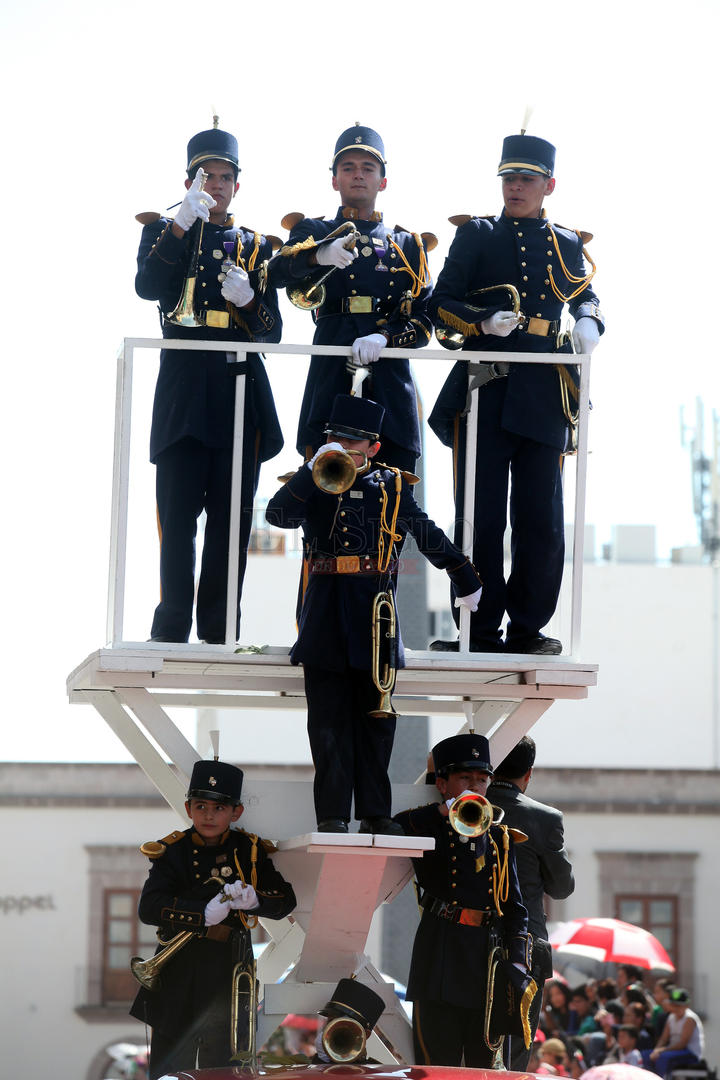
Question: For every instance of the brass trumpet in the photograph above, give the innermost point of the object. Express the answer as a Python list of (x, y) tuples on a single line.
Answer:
[(183, 314), (344, 1039), (147, 972), (242, 972), (384, 652), (310, 293), (454, 339), (335, 471), (472, 815)]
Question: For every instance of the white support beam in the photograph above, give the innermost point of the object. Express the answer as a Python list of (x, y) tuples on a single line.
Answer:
[(517, 724), (155, 768), (165, 733)]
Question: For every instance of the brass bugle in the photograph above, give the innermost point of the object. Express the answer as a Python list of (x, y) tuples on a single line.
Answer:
[(344, 1039), (454, 339), (242, 973), (472, 815), (184, 314), (384, 649), (310, 292), (335, 471), (147, 972)]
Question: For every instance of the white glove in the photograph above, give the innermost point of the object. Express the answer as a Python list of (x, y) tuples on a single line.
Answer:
[(237, 288), (323, 450), (335, 254), (501, 324), (470, 601), (585, 335), (215, 911), (366, 350), (467, 791), (243, 897), (196, 204)]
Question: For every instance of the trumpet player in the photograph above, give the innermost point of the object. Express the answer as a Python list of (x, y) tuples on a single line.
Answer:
[(470, 896), (215, 881), (351, 538), (376, 296), (208, 276)]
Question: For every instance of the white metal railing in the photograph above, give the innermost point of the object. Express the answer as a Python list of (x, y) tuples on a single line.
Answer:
[(121, 466)]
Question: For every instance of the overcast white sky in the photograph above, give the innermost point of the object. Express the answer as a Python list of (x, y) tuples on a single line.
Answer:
[(99, 102)]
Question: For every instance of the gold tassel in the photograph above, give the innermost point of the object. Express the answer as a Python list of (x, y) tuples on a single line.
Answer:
[(466, 328), (525, 1002), (293, 249)]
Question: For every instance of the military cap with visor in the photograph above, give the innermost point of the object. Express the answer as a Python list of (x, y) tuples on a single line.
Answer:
[(216, 780), (360, 138), (354, 999), (467, 751), (212, 145), (355, 418), (527, 154)]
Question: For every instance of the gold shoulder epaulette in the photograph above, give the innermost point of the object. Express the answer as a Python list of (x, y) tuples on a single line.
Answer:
[(275, 241), (518, 835), (285, 477), (290, 220), (267, 846), (155, 848), (410, 477), (431, 240), (460, 219), (148, 217), (586, 237)]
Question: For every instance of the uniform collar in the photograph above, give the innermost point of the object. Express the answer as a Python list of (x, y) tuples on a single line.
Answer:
[(351, 214), (199, 842), (526, 222), (504, 784)]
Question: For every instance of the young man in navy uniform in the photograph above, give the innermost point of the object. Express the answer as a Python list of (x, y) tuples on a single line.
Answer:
[(194, 407), (523, 410), (375, 296), (467, 888), (215, 881), (351, 539)]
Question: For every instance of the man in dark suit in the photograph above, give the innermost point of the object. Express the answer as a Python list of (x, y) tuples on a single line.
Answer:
[(543, 865)]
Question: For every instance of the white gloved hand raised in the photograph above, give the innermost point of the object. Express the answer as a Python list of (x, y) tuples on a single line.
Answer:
[(467, 791), (585, 335), (323, 450), (470, 601), (501, 324), (366, 350), (335, 254), (237, 288), (243, 897), (196, 204), (215, 911)]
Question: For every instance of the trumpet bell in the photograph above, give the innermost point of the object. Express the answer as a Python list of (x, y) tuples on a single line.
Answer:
[(145, 973), (307, 299), (344, 1039), (334, 472), (385, 707), (471, 815)]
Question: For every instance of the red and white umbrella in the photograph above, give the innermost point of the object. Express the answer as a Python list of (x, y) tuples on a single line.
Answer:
[(612, 942)]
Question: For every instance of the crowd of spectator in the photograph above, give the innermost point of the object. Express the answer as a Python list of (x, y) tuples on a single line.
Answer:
[(604, 1021)]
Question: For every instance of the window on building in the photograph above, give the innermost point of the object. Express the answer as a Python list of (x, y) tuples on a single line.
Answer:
[(124, 936), (658, 914)]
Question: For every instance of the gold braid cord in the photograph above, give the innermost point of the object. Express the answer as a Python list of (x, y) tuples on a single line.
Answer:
[(500, 870), (254, 253), (249, 921), (385, 546), (583, 281), (422, 279)]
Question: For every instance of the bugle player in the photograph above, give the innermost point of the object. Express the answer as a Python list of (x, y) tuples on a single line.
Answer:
[(350, 539)]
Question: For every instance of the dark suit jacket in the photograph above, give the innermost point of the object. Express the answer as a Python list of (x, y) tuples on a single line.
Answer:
[(543, 865)]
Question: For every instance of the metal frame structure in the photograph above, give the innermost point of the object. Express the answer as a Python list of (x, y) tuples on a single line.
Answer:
[(340, 880)]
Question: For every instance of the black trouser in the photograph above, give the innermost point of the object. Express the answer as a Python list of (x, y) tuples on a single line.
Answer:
[(191, 478), (536, 516), (446, 1034), (350, 749)]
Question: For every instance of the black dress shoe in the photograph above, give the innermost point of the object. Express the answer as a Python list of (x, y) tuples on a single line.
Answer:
[(537, 644), (337, 825), (476, 645), (173, 640), (385, 826)]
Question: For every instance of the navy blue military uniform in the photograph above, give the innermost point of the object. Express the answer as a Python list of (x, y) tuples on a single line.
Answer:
[(342, 533), (191, 1006), (523, 426), (470, 898), (386, 290), (193, 415)]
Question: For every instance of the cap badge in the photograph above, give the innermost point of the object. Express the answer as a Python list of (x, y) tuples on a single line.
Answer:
[(212, 780), (475, 752), (358, 138)]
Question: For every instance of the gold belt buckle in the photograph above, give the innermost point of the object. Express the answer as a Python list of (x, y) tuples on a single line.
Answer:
[(540, 327), (219, 319), (347, 564), (360, 305)]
